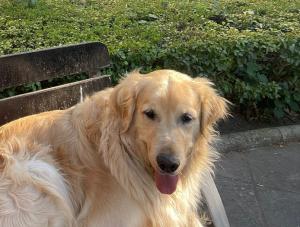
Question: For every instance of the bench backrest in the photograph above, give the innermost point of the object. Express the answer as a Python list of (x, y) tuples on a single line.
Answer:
[(24, 68)]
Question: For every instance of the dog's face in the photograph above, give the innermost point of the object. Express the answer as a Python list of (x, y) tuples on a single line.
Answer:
[(165, 111)]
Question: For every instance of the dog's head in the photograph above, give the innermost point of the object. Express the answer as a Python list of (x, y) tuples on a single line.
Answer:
[(166, 113)]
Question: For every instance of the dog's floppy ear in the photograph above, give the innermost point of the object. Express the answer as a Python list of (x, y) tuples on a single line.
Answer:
[(213, 107), (124, 99)]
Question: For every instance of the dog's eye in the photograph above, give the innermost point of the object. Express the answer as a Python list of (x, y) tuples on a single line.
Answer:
[(186, 118), (150, 114)]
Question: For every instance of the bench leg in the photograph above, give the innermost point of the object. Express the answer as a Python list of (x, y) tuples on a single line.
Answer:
[(214, 202)]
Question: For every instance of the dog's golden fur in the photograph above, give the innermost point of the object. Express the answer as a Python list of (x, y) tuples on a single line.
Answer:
[(93, 164)]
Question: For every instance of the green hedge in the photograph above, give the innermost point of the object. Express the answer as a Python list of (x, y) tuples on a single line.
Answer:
[(250, 49)]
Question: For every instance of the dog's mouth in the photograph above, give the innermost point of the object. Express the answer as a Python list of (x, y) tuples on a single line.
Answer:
[(166, 183)]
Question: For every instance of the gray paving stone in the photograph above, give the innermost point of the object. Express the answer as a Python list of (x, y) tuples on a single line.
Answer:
[(281, 209), (240, 203), (261, 187), (233, 165), (276, 167)]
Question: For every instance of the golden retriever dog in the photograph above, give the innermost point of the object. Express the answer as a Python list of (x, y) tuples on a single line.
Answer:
[(132, 155)]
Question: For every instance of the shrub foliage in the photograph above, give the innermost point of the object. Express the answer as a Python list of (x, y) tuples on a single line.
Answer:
[(250, 49)]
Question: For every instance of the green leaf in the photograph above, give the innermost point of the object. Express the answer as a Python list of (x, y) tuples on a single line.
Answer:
[(251, 69), (152, 16), (294, 106), (278, 112), (278, 103), (297, 96), (262, 78)]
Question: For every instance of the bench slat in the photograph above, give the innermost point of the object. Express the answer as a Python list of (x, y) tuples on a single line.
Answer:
[(24, 68), (60, 97)]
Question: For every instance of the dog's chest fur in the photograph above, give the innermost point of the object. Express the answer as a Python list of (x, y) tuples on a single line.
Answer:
[(107, 204)]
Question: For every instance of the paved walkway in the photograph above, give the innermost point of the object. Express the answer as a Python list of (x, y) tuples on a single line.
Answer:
[(261, 187)]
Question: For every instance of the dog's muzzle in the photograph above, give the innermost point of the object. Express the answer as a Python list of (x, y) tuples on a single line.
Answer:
[(165, 178), (167, 163)]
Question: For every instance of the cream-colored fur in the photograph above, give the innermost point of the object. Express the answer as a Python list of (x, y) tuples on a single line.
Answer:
[(94, 164)]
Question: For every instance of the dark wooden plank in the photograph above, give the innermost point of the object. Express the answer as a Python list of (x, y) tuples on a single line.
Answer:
[(19, 69), (60, 97)]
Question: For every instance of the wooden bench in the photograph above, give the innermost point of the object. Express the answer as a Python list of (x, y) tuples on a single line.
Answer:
[(36, 66), (89, 58)]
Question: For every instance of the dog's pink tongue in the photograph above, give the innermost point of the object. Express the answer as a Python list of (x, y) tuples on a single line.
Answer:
[(165, 183)]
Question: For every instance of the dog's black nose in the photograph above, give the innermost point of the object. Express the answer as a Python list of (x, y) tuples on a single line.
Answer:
[(167, 163)]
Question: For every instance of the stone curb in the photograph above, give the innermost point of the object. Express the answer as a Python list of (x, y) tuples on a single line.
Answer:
[(241, 141)]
